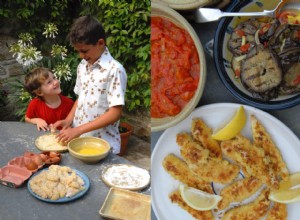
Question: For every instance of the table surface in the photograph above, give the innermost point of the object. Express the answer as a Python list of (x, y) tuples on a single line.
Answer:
[(18, 203), (216, 92)]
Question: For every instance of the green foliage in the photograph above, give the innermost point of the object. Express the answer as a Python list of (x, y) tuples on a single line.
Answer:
[(34, 14), (127, 24), (19, 96)]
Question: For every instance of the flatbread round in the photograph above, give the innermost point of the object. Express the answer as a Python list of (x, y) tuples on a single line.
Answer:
[(48, 142)]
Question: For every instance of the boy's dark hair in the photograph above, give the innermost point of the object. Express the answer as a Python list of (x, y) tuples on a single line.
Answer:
[(87, 30), (35, 78)]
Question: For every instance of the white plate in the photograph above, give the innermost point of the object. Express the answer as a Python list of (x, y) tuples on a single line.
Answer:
[(162, 184), (48, 142), (126, 176)]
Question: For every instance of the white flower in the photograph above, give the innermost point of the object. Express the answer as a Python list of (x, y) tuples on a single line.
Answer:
[(62, 71), (58, 50), (25, 39), (28, 56), (50, 30)]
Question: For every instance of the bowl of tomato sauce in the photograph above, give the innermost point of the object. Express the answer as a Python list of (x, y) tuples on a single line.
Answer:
[(178, 68)]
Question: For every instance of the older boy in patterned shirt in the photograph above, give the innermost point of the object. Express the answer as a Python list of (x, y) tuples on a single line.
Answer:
[(100, 86)]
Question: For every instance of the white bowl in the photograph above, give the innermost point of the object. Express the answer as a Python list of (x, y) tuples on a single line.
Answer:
[(158, 124)]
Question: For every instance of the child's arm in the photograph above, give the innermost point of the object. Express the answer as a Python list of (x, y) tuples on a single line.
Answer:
[(109, 117), (67, 121), (40, 123), (33, 118)]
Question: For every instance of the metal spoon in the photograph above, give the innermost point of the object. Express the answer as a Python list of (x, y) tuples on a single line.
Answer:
[(203, 15)]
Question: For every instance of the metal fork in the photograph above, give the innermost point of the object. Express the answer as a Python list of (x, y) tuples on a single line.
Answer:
[(203, 15)]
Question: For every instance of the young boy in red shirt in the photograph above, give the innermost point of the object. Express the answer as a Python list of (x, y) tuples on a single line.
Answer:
[(48, 105)]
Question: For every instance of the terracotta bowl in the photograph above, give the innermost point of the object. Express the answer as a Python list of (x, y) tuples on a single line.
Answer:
[(160, 10)]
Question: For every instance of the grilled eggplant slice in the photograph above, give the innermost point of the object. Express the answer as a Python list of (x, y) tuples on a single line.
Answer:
[(291, 80), (288, 57), (261, 72)]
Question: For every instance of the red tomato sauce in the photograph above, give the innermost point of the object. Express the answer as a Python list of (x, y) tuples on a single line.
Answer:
[(289, 16), (175, 68)]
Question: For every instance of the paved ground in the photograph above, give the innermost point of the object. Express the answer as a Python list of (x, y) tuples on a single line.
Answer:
[(138, 152)]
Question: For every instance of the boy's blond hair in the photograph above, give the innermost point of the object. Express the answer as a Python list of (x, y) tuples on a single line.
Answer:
[(35, 78)]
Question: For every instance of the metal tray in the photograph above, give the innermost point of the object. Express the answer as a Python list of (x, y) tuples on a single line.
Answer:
[(123, 204)]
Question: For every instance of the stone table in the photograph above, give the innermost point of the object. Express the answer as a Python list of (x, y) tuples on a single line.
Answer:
[(18, 203)]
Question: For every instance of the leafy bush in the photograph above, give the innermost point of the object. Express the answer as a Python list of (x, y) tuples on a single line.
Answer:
[(31, 16), (18, 96), (128, 26)]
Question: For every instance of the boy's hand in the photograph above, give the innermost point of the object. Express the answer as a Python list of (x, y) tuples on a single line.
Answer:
[(66, 135), (61, 123)]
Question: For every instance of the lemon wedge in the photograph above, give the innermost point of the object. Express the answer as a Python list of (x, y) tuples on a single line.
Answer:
[(197, 199), (289, 191), (233, 127)]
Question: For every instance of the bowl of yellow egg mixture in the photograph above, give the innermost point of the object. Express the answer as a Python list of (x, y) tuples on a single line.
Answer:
[(89, 149)]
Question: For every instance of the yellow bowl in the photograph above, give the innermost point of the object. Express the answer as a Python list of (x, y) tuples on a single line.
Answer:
[(89, 149), (159, 10)]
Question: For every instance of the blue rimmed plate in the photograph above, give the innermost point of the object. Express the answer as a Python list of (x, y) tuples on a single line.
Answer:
[(65, 199), (223, 57)]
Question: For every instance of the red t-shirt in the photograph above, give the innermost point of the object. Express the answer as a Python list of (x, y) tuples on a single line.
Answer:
[(37, 108)]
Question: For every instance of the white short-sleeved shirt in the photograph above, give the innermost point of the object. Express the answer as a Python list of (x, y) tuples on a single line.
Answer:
[(99, 87)]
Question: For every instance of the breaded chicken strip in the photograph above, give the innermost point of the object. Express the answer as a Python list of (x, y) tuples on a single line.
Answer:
[(252, 211), (202, 133), (277, 212), (238, 191), (262, 139), (200, 215), (208, 168), (251, 159), (179, 170)]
